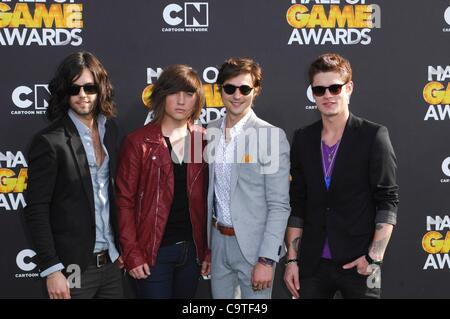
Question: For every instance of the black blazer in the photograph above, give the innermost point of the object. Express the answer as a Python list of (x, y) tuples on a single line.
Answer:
[(60, 211), (363, 191)]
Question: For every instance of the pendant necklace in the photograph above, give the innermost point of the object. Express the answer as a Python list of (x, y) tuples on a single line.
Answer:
[(331, 158)]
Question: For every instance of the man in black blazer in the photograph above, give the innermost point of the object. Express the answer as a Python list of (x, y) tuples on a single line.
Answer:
[(344, 194), (71, 212)]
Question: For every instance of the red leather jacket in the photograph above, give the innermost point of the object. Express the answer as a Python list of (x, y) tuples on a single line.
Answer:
[(145, 185)]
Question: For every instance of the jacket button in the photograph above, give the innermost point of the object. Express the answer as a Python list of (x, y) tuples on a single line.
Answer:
[(328, 209)]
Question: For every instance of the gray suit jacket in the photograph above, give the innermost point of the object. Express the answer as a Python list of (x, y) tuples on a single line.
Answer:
[(259, 187)]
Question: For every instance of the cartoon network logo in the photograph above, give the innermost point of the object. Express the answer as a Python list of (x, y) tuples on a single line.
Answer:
[(311, 99), (447, 20), (446, 170), (188, 17), (25, 264), (30, 100)]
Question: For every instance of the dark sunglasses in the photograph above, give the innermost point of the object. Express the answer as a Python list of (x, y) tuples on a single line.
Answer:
[(87, 88), (230, 89), (334, 89)]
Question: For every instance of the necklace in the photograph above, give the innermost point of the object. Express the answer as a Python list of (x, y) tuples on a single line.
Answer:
[(332, 152), (331, 158)]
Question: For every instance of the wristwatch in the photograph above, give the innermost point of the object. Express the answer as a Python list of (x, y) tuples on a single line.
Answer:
[(266, 261), (372, 261)]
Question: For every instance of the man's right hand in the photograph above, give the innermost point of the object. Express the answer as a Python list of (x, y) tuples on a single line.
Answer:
[(140, 272), (291, 279), (58, 286)]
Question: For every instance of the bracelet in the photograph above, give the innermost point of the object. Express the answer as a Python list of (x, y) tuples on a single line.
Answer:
[(266, 261), (371, 261), (291, 261)]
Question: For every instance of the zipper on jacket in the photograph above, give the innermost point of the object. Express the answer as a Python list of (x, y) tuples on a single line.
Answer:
[(141, 195), (157, 208), (196, 176), (190, 214)]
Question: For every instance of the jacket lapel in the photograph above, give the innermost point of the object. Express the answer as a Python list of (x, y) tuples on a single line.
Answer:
[(79, 155), (212, 147), (315, 150), (347, 143), (110, 143), (251, 122)]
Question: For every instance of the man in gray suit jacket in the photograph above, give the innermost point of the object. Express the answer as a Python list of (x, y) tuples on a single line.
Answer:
[(248, 196)]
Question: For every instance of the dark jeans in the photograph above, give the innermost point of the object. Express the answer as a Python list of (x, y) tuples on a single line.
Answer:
[(105, 282), (331, 278), (175, 275)]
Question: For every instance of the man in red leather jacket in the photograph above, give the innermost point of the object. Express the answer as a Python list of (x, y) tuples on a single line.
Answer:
[(161, 191)]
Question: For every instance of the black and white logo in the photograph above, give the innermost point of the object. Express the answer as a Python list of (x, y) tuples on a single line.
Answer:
[(28, 269), (30, 100), (23, 260), (447, 20), (186, 17), (446, 170), (309, 95)]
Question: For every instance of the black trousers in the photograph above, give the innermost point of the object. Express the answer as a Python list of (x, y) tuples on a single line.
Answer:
[(331, 278), (105, 282)]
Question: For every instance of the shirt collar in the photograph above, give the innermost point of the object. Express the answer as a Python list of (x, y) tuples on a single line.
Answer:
[(239, 126), (81, 127)]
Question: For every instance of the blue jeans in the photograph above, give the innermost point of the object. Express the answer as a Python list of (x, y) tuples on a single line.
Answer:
[(175, 274)]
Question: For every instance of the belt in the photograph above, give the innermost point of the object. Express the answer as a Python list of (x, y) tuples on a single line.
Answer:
[(224, 230), (101, 258)]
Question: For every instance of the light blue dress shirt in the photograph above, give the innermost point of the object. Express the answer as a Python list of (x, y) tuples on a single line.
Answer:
[(104, 239)]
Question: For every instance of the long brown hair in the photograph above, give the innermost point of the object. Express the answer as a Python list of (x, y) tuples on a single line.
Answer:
[(68, 71), (176, 78)]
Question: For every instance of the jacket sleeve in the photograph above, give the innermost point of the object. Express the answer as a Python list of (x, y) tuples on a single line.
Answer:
[(383, 178), (127, 196), (42, 172), (297, 191), (277, 197)]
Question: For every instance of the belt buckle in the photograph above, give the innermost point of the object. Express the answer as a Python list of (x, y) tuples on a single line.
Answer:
[(100, 259)]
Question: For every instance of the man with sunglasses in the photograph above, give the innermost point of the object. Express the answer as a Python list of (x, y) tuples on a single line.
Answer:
[(71, 212), (248, 200), (344, 194)]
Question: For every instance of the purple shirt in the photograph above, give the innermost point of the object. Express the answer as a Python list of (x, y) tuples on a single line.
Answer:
[(328, 160)]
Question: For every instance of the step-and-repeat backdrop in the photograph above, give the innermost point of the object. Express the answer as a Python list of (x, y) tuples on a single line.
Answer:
[(399, 51)]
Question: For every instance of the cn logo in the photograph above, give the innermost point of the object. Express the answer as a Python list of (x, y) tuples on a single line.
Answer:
[(446, 166), (23, 260), (194, 14), (23, 96), (310, 95), (447, 15)]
